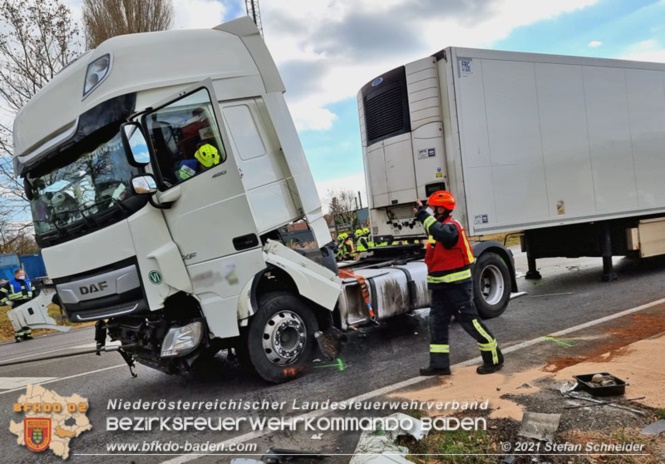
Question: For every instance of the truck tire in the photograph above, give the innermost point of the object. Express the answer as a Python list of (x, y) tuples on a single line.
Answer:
[(491, 285), (280, 341)]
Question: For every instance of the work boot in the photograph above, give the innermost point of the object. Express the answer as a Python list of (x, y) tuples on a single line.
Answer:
[(489, 368), (429, 371)]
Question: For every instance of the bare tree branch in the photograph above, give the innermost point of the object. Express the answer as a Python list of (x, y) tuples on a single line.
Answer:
[(38, 38), (104, 19)]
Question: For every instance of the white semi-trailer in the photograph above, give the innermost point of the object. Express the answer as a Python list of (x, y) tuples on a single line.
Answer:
[(160, 168), (569, 150)]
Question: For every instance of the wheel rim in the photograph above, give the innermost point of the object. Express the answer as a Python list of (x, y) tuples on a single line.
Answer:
[(284, 338), (492, 284)]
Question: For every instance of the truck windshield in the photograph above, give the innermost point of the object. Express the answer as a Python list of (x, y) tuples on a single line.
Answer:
[(91, 191)]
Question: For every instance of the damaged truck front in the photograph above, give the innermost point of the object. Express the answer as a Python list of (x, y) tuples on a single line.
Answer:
[(159, 168)]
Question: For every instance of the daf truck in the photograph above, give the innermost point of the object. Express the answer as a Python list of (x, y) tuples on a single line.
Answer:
[(160, 168), (567, 150)]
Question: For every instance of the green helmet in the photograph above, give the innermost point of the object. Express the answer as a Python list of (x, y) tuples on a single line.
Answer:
[(366, 231), (342, 236), (359, 233)]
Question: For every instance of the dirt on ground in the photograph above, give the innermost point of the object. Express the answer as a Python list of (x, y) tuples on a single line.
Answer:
[(615, 343), (631, 352)]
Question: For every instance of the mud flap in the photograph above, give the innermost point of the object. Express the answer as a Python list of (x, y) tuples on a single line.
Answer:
[(330, 342)]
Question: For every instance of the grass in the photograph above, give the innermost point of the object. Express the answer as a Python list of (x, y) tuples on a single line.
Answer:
[(660, 413), (652, 446), (457, 446)]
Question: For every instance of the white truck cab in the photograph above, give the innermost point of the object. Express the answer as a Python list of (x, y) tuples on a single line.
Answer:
[(159, 166)]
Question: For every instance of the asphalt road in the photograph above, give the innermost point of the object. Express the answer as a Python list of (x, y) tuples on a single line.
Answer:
[(569, 294)]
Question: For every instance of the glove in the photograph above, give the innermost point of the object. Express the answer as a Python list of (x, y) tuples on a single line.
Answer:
[(10, 304)]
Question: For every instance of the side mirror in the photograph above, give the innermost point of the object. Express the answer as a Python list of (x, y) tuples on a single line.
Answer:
[(135, 144), (27, 187), (144, 185)]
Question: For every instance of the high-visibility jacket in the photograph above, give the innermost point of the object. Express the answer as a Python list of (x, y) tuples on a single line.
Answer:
[(448, 255), (16, 290), (361, 244)]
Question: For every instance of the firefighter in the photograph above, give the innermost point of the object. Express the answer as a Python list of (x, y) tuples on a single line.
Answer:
[(339, 249), (368, 237), (14, 293), (449, 259), (205, 157), (361, 241), (345, 247)]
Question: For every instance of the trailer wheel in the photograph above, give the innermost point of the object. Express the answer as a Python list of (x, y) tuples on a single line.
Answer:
[(280, 340), (491, 285)]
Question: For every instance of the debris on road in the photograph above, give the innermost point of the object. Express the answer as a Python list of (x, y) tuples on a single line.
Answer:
[(654, 429), (380, 448), (539, 426)]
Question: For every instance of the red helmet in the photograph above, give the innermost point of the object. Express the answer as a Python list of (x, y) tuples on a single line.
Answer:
[(442, 198)]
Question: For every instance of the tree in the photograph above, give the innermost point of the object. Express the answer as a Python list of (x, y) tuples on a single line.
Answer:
[(103, 19), (342, 207), (38, 38)]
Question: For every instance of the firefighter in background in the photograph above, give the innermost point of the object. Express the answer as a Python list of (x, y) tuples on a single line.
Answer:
[(14, 293), (449, 259), (345, 250), (368, 237), (339, 248), (361, 241)]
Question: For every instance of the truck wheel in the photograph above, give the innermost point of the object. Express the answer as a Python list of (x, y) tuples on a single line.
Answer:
[(280, 339), (491, 285)]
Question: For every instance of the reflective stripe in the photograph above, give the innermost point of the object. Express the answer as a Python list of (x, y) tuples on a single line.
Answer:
[(427, 223), (487, 346), (490, 341), (467, 247), (448, 278), (439, 349)]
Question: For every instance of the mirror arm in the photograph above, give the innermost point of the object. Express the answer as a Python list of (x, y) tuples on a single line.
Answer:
[(166, 205)]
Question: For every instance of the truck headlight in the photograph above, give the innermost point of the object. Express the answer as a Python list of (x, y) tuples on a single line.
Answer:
[(97, 71), (182, 340)]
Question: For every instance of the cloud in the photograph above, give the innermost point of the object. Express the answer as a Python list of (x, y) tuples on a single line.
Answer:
[(646, 50), (197, 14), (594, 43), (327, 50)]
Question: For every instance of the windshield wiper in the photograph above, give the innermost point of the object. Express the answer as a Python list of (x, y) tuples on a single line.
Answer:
[(121, 205), (87, 219), (62, 233)]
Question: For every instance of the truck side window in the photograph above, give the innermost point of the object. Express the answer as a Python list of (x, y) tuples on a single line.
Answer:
[(185, 138)]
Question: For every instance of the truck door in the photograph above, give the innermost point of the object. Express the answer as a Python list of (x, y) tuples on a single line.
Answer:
[(209, 217)]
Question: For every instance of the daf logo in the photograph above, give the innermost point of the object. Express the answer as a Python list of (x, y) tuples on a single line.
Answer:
[(94, 288), (377, 81)]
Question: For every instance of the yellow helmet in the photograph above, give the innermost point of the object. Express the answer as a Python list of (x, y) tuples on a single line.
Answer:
[(207, 155), (342, 236), (359, 233), (366, 230)]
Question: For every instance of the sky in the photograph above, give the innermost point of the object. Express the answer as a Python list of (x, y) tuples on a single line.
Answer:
[(326, 50)]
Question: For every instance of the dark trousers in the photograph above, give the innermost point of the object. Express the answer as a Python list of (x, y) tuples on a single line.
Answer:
[(456, 299)]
